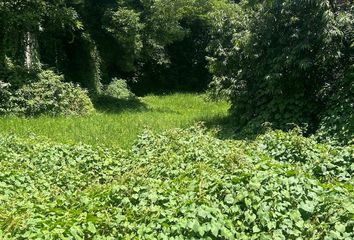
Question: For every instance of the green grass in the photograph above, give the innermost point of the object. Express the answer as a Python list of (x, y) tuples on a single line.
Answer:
[(119, 129)]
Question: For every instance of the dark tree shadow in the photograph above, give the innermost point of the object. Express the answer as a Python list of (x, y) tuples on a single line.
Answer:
[(113, 105), (223, 124), (227, 129)]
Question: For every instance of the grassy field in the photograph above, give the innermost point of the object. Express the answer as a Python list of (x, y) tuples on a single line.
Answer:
[(119, 128)]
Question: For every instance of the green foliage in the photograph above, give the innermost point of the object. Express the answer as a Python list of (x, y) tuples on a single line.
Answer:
[(92, 41), (83, 65), (5, 96), (276, 58), (118, 89), (337, 124), (38, 32), (326, 162), (155, 42), (125, 27), (20, 18), (291, 147), (180, 184), (228, 30), (49, 95), (16, 75)]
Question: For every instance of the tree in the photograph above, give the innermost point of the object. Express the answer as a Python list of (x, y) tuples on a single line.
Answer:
[(277, 69), (23, 23)]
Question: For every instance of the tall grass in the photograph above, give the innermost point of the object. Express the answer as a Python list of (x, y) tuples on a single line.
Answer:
[(119, 128)]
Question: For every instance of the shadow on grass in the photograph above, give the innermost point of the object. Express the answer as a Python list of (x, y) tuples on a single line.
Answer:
[(113, 105), (223, 124), (227, 130)]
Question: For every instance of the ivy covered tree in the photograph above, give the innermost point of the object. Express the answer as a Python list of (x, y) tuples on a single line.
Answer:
[(23, 25), (277, 65)]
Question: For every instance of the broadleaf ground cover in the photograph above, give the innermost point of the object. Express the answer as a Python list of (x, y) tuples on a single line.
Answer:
[(179, 184)]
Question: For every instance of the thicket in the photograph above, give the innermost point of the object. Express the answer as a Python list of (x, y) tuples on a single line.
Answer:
[(337, 122), (180, 184), (160, 43), (284, 63)]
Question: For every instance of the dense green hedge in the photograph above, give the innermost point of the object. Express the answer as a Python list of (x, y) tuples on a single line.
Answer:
[(181, 184)]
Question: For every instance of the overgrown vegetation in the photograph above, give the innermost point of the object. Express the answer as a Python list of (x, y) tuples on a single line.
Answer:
[(181, 184), (282, 65), (46, 94), (283, 62), (5, 95), (50, 95), (337, 125), (277, 62)]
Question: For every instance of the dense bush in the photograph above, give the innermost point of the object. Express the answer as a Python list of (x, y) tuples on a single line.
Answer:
[(181, 184), (337, 123), (49, 95), (5, 96), (325, 162), (118, 89), (275, 59)]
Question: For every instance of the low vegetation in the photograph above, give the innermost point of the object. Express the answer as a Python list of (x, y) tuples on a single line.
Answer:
[(118, 89), (45, 94), (180, 184), (51, 96)]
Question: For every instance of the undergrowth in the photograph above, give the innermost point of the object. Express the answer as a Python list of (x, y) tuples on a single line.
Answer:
[(179, 184)]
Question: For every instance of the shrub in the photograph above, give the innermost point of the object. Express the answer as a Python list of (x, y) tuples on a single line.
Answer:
[(323, 161), (271, 69), (119, 89), (49, 95), (337, 124), (180, 184), (5, 96)]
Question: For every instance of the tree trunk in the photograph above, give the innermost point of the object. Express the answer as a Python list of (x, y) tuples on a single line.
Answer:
[(31, 54)]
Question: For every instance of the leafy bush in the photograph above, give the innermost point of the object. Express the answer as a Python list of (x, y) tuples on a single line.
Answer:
[(119, 89), (325, 162), (181, 184), (15, 74), (337, 124), (271, 68), (51, 96), (5, 96)]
